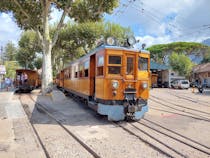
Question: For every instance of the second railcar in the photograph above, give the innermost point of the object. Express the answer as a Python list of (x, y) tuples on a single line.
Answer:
[(26, 80)]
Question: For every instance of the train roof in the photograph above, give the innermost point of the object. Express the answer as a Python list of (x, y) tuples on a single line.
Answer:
[(109, 47), (21, 70)]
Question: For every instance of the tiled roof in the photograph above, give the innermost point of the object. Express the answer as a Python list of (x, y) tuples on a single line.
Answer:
[(157, 66), (202, 68)]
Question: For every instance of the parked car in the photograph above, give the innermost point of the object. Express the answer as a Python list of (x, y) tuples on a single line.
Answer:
[(181, 84)]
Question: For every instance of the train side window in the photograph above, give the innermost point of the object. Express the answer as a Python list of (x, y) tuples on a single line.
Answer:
[(130, 64), (76, 72), (114, 65), (100, 66), (143, 64), (86, 68), (81, 70), (69, 72)]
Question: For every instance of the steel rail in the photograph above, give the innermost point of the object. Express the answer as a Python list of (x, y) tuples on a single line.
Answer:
[(41, 107)]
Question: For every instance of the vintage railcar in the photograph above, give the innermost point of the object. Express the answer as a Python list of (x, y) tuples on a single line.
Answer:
[(114, 81), (26, 80)]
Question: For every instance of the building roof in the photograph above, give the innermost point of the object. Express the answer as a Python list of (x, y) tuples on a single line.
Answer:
[(157, 66), (201, 68)]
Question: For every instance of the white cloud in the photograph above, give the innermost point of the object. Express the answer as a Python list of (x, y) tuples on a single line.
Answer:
[(165, 20), (9, 30), (150, 40)]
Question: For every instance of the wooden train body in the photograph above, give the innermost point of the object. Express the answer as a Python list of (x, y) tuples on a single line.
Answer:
[(113, 80), (28, 83)]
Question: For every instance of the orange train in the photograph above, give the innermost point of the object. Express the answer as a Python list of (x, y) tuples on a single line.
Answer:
[(26, 84), (113, 80)]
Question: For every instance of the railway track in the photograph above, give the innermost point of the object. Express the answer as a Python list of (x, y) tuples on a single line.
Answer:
[(204, 103), (178, 105), (172, 141), (42, 108), (189, 114), (197, 118), (176, 133), (145, 140), (150, 135), (28, 113)]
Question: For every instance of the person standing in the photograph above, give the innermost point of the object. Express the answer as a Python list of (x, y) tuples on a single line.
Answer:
[(22, 78), (25, 77), (8, 83)]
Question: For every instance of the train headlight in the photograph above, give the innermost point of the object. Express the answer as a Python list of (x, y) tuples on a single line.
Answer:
[(110, 41), (144, 85), (115, 84), (131, 40)]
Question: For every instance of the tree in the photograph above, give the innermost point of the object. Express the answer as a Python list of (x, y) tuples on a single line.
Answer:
[(181, 63), (206, 58), (38, 63), (78, 39), (28, 47), (36, 14), (159, 51), (10, 51), (11, 66)]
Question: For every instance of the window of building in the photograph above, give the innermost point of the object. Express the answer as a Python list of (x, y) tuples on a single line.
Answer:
[(114, 65), (100, 66), (143, 64), (130, 66)]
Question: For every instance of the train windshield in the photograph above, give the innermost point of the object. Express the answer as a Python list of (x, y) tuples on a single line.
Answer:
[(114, 65), (143, 64)]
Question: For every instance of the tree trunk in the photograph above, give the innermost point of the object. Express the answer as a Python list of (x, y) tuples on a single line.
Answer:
[(47, 81)]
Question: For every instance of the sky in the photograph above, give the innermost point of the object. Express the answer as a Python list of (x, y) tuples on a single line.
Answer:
[(152, 21)]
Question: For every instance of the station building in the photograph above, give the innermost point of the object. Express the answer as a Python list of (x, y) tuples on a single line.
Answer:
[(162, 75), (201, 73)]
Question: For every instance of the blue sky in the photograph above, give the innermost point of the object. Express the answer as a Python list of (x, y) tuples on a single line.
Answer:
[(152, 21)]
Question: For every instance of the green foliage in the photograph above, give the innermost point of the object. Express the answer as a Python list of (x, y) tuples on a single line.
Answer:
[(28, 46), (10, 51), (37, 63), (159, 51), (91, 10), (206, 58), (20, 9), (181, 63), (85, 35), (78, 39), (11, 66)]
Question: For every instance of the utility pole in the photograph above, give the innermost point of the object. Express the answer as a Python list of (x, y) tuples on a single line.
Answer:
[(2, 62)]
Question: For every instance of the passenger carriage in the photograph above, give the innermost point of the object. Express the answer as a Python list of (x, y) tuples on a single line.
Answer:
[(26, 84), (114, 81)]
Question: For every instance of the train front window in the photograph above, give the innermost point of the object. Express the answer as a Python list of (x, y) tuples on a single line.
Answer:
[(114, 65), (130, 64), (143, 64), (114, 59)]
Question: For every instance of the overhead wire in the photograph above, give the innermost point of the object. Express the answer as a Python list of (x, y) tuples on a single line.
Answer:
[(148, 11)]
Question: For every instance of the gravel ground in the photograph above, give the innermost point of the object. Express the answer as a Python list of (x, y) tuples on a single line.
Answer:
[(110, 141)]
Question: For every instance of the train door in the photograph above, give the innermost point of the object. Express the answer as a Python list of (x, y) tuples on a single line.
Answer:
[(130, 66), (92, 74)]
